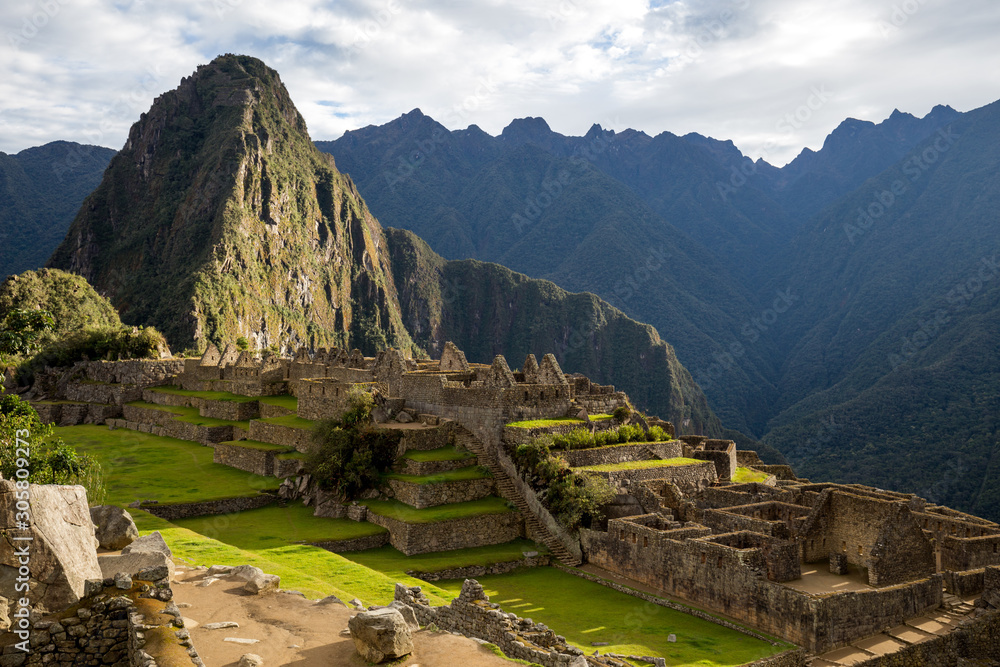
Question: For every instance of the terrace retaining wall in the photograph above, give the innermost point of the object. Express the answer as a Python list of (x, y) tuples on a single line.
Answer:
[(173, 511), (354, 543), (440, 493), (686, 477), (639, 451), (298, 439), (474, 531)]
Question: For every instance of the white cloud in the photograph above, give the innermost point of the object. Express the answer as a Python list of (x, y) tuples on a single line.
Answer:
[(731, 69)]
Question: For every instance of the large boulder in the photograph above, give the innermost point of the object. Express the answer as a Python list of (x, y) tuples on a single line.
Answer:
[(115, 527), (143, 565), (381, 635), (62, 551), (149, 543)]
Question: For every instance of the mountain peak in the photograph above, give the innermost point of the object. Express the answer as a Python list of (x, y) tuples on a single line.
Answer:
[(526, 129)]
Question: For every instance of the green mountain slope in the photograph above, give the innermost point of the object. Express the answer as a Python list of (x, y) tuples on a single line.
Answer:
[(525, 200), (219, 218), (892, 357), (40, 191)]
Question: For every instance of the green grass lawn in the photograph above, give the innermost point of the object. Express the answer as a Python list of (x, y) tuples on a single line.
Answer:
[(256, 444), (402, 512), (640, 465), (291, 421), (538, 423), (190, 415), (138, 466), (286, 401), (746, 475), (449, 453), (393, 563), (273, 527), (457, 475), (586, 612), (209, 395)]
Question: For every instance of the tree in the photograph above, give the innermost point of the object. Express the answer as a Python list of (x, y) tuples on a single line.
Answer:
[(20, 330), (26, 444)]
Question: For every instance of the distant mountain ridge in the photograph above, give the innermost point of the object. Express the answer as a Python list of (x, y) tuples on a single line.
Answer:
[(219, 218), (40, 191)]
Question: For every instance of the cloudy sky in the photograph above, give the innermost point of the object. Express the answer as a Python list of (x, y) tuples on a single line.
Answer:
[(772, 75)]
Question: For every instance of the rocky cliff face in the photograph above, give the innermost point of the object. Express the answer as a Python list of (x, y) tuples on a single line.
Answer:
[(219, 219)]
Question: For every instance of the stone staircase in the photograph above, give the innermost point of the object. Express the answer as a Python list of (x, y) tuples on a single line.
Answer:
[(506, 488)]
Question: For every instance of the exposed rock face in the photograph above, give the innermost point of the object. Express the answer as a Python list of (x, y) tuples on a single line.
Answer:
[(144, 565), (62, 554), (381, 635), (220, 200), (115, 527), (149, 543)]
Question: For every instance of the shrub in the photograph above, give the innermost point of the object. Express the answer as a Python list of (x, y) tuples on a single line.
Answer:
[(349, 461), (657, 434), (108, 343), (242, 343), (359, 407), (621, 414), (20, 330), (48, 460)]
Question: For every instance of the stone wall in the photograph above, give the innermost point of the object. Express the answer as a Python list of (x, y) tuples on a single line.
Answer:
[(476, 531), (110, 626), (299, 439), (970, 553), (687, 477), (354, 544), (172, 428), (71, 414), (964, 584), (98, 392), (734, 582), (287, 467), (440, 493), (231, 410), (621, 453), (972, 644), (250, 459), (474, 571), (473, 615), (411, 467), (171, 511), (139, 372)]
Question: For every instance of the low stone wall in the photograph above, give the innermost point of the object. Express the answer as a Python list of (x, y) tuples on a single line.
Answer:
[(621, 453), (473, 615), (230, 410), (424, 439), (474, 571), (112, 394), (298, 439), (794, 658), (976, 642), (411, 467), (516, 435), (964, 584), (779, 471), (140, 372), (222, 506), (257, 461), (110, 626), (287, 467), (268, 411), (441, 493), (71, 414), (687, 477), (475, 531), (355, 544)]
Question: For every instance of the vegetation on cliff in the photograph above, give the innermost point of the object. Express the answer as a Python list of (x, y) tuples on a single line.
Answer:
[(220, 219)]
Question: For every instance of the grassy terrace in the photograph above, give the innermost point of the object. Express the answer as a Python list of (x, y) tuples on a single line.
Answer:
[(640, 465), (459, 475), (273, 527), (449, 453), (291, 421), (746, 475), (209, 395), (256, 444), (392, 562), (140, 466), (190, 415), (286, 401), (564, 421), (402, 512), (631, 626)]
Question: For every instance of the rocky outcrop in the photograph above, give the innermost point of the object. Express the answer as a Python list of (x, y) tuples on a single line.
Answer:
[(381, 635), (61, 550), (115, 528)]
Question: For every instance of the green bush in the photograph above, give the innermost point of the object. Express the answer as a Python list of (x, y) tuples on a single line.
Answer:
[(242, 343), (20, 330), (109, 343), (349, 461), (47, 460), (360, 404), (657, 434)]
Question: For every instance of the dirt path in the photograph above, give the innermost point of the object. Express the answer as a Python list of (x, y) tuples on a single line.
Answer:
[(294, 631)]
